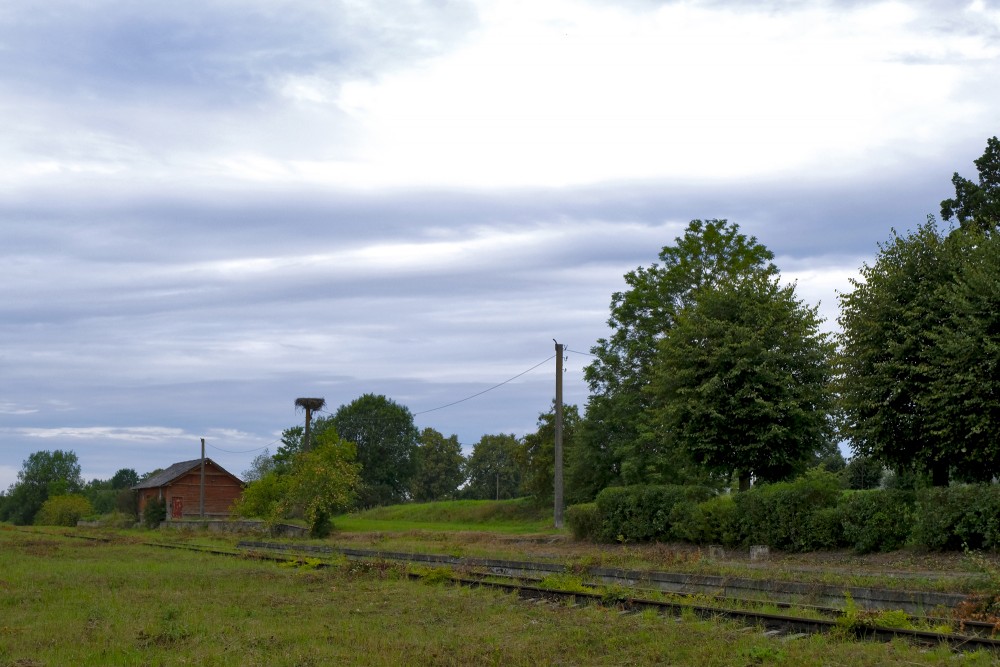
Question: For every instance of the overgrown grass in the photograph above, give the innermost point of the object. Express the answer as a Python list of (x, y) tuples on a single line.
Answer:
[(501, 516), (77, 602)]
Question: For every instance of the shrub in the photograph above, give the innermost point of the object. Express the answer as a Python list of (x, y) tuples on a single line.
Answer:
[(584, 520), (642, 513), (953, 517), (154, 512), (877, 520), (790, 515), (63, 510), (707, 522)]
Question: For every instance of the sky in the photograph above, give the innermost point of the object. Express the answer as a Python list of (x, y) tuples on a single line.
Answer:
[(211, 208)]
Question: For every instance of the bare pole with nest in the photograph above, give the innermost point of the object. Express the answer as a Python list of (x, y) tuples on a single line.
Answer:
[(309, 405)]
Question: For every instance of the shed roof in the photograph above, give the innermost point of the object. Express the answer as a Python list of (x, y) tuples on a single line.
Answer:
[(178, 470)]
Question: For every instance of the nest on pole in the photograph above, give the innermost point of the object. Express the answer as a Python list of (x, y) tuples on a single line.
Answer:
[(310, 404)]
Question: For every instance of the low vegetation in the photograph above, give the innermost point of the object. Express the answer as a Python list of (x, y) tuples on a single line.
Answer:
[(86, 602)]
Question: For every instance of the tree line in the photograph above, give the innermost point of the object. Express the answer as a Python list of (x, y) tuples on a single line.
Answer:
[(714, 373)]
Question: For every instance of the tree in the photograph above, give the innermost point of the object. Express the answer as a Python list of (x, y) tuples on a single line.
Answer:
[(961, 403), (439, 468), (262, 464), (493, 469), (741, 381), (616, 429), (977, 205), (863, 472), (386, 439), (536, 455), (43, 474), (125, 478), (888, 353), (317, 484)]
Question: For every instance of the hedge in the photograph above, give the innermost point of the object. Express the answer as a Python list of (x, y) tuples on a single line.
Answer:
[(642, 513)]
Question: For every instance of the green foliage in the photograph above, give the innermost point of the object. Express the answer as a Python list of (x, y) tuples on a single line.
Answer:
[(741, 379), (536, 454), (386, 440), (958, 516), (863, 472), (63, 510), (615, 444), (261, 465), (708, 522), (124, 478), (439, 467), (493, 470), (877, 520), (318, 484), (642, 513), (43, 474), (790, 515), (975, 205), (920, 369), (154, 512), (583, 520)]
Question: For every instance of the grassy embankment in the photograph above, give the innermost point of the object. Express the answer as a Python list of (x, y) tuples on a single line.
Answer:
[(66, 601)]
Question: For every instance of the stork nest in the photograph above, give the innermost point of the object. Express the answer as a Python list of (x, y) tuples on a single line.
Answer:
[(310, 404)]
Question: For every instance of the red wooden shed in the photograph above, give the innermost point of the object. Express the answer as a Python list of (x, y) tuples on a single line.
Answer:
[(180, 486)]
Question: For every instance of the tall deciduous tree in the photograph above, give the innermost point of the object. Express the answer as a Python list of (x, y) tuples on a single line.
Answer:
[(440, 467), (616, 428), (742, 380), (493, 470), (43, 474), (962, 401), (386, 439), (889, 354), (977, 205)]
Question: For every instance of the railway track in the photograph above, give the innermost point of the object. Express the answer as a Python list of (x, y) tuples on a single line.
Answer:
[(786, 625)]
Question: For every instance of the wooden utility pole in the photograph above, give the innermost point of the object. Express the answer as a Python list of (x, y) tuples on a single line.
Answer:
[(201, 493), (559, 437)]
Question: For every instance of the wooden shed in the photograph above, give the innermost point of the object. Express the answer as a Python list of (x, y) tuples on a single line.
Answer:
[(181, 487)]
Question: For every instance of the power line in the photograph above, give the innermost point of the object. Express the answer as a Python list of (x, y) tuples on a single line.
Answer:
[(246, 451), (448, 405), (579, 352)]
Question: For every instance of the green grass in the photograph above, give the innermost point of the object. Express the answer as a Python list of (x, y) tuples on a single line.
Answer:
[(67, 601), (504, 516)]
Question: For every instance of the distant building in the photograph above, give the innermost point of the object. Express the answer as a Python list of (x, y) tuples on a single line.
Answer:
[(180, 486)]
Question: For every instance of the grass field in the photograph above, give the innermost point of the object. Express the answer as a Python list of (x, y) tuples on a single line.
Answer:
[(506, 517), (69, 601)]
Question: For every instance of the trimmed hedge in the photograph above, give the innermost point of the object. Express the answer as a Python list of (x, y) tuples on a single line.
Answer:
[(642, 513), (877, 520), (812, 512), (957, 517), (791, 516)]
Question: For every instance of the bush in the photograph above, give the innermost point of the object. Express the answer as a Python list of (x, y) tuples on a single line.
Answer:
[(953, 517), (154, 512), (642, 513), (707, 522), (792, 516), (63, 510), (877, 520), (583, 520)]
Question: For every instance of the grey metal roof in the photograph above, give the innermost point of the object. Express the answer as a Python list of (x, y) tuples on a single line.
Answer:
[(173, 472)]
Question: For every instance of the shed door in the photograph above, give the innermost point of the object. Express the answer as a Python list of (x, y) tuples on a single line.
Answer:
[(176, 507)]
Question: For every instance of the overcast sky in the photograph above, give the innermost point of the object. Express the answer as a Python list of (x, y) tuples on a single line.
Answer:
[(210, 208)]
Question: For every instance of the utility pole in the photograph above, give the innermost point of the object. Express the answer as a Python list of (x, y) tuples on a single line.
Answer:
[(201, 494), (559, 437)]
